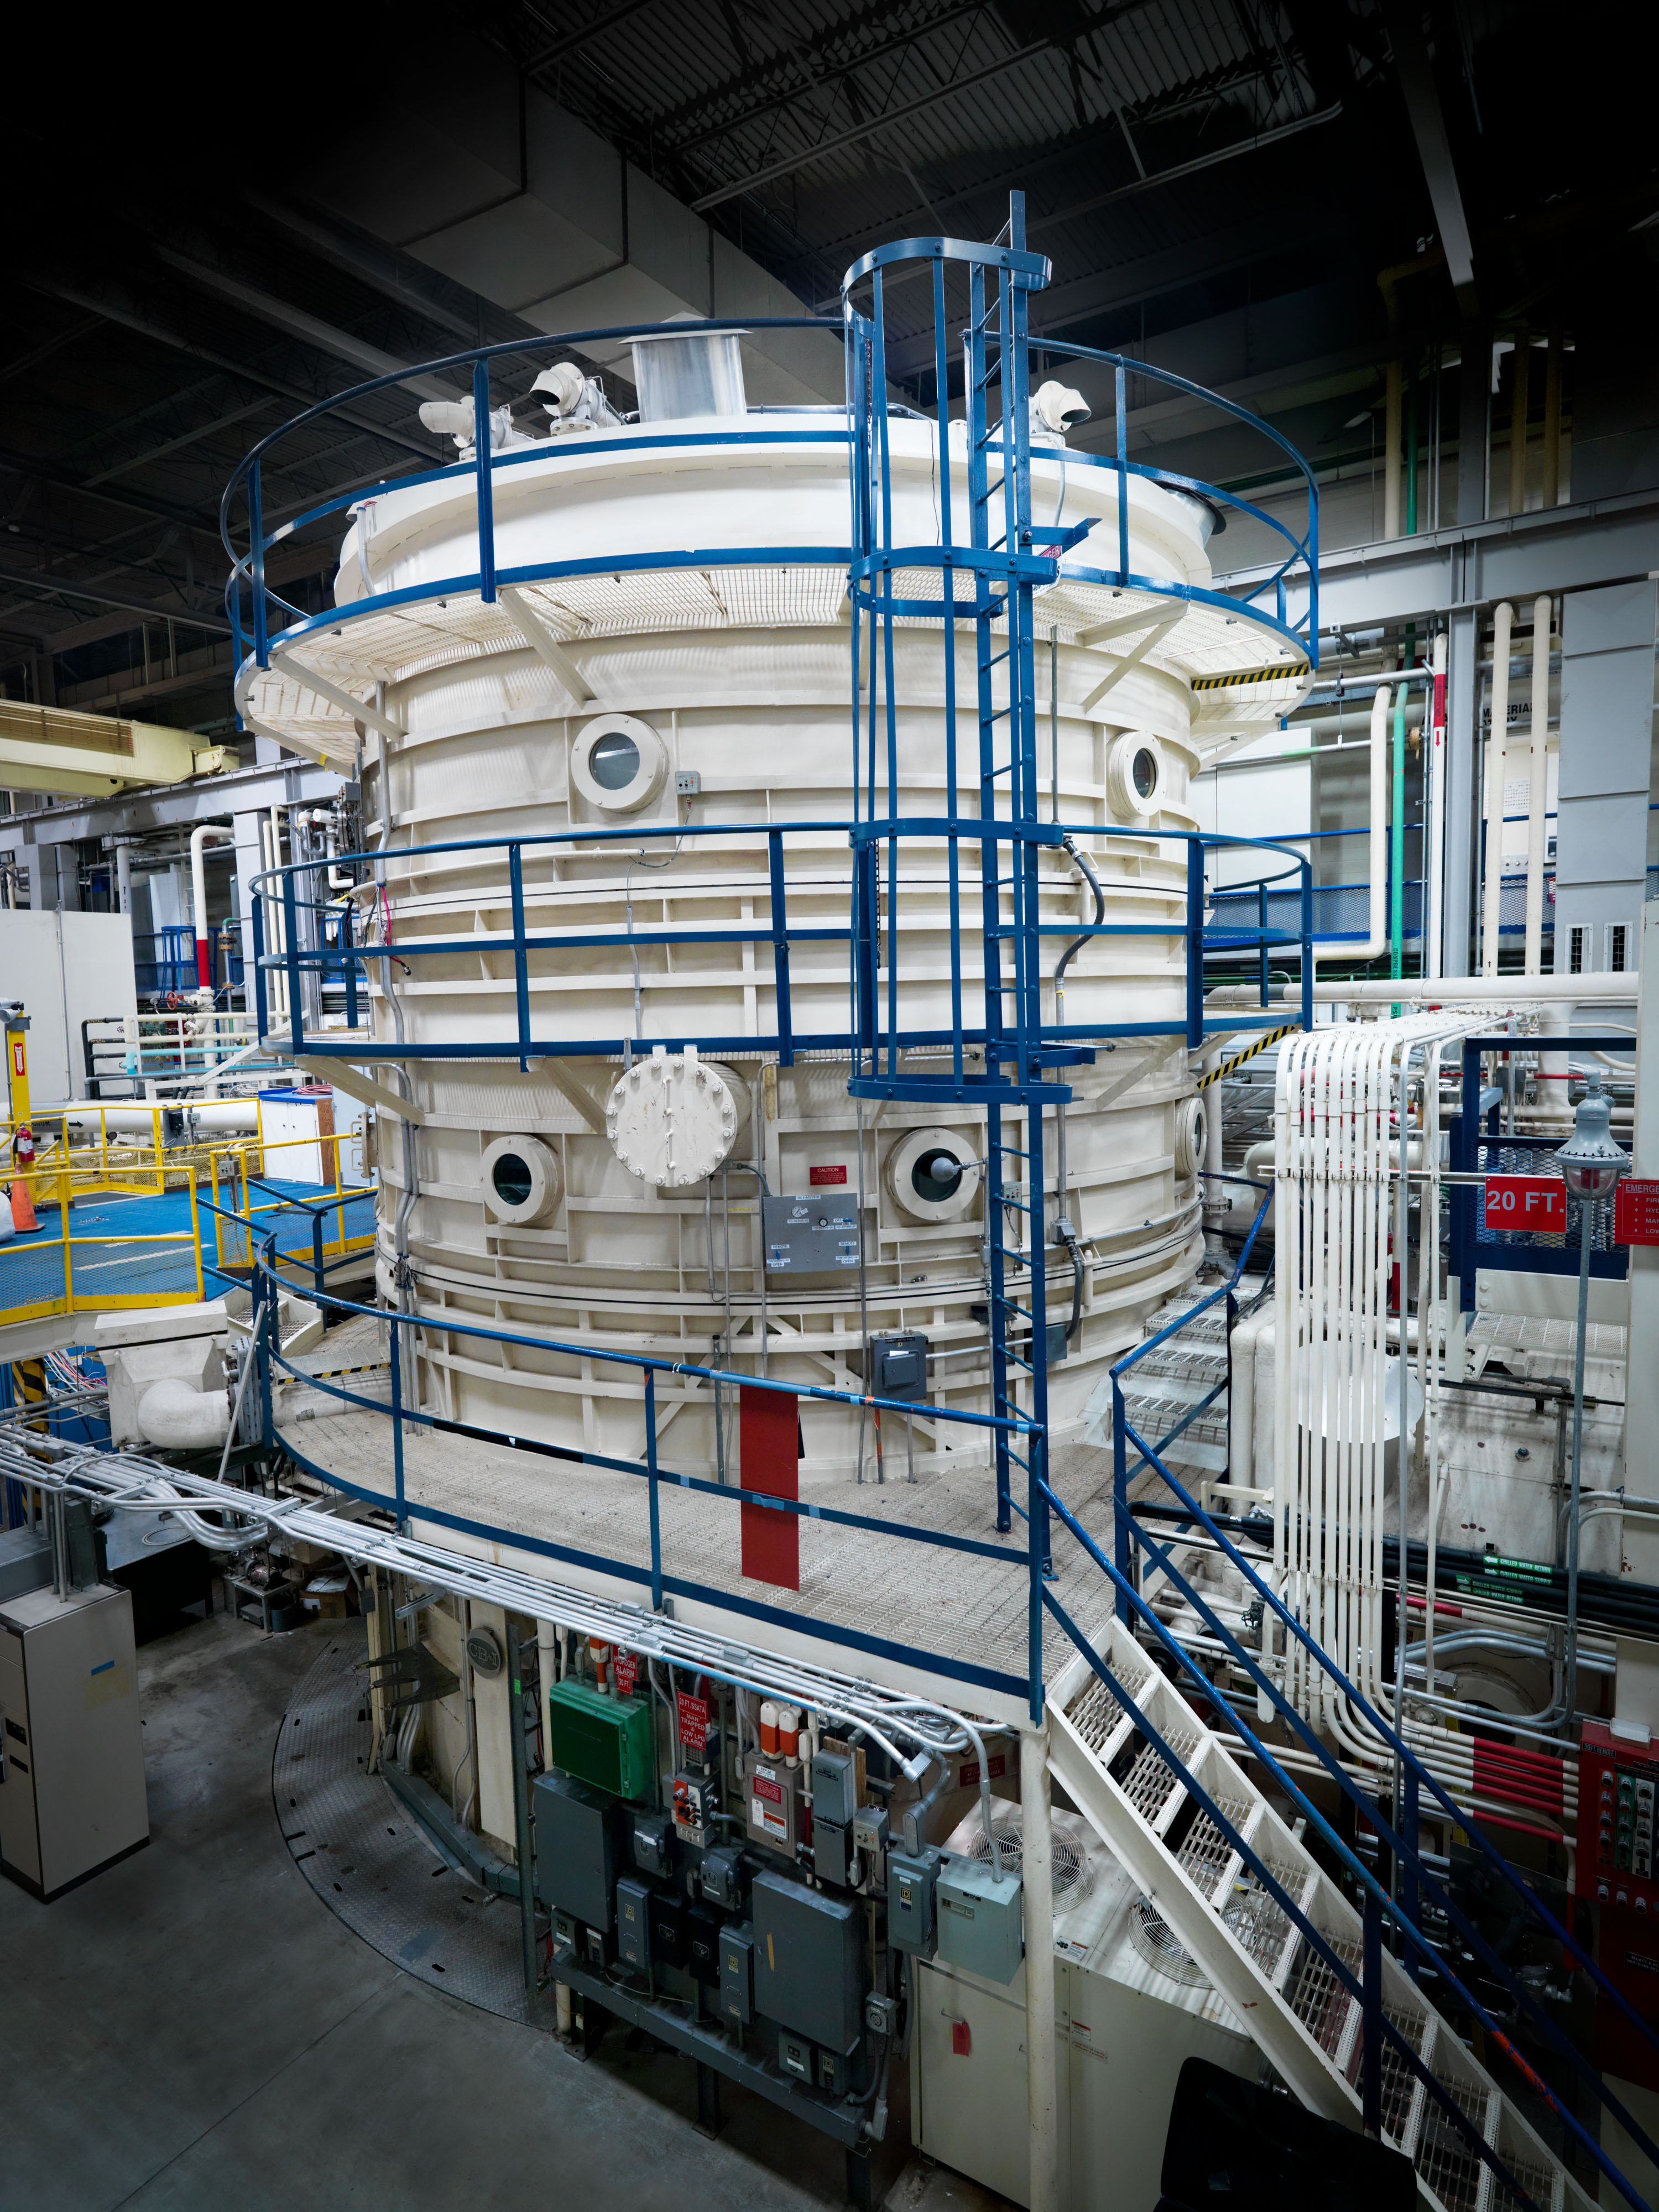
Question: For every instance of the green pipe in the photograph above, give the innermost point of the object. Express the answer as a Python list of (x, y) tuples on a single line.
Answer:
[(1397, 841), (1411, 451)]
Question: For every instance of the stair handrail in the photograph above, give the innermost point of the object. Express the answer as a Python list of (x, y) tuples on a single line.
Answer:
[(1407, 1853), (1377, 1900)]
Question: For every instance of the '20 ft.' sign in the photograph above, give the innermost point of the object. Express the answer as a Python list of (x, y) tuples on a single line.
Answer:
[(1535, 1202)]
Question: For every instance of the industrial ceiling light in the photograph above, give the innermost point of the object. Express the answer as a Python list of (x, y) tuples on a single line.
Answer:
[(1590, 1162)]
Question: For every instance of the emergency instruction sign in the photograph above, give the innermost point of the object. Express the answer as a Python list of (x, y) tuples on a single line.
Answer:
[(1636, 1211), (1518, 1201)]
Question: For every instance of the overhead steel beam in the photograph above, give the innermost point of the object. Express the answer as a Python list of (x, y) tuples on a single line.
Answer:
[(309, 329), (135, 502), (1514, 557), (116, 306), (1428, 123), (43, 581), (294, 782), (370, 261), (857, 132)]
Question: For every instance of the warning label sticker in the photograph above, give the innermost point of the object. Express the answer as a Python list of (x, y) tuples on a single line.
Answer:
[(819, 1177)]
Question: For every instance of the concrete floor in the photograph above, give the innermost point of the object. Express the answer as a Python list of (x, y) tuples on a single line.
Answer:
[(195, 2029)]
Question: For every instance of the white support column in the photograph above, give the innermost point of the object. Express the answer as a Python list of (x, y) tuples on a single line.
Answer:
[(1037, 1867), (249, 861)]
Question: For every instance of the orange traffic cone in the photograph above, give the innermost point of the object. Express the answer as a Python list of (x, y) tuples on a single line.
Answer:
[(23, 1207)]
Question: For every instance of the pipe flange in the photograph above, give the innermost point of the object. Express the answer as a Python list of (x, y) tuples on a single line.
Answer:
[(671, 1120)]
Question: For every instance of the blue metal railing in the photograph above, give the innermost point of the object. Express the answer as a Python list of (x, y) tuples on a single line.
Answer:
[(170, 965), (349, 957)]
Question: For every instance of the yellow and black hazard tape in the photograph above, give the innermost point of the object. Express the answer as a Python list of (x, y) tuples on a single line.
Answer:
[(339, 1373), (1216, 1075), (1251, 675)]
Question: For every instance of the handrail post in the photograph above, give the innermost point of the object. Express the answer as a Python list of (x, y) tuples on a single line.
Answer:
[(481, 461), (650, 1478), (1195, 943), (291, 960), (1121, 1557), (196, 1233), (521, 956), (317, 1247), (1037, 1554), (261, 1009), (1371, 2047), (1306, 945), (781, 950), (1412, 1835), (397, 1420), (1261, 924), (348, 960), (256, 524), (1122, 477)]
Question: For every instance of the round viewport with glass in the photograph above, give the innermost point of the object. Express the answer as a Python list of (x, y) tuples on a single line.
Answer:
[(1145, 772), (615, 761), (935, 1176), (512, 1179)]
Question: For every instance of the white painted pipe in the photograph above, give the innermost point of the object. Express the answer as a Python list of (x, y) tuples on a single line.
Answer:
[(217, 1115), (198, 837), (177, 1418), (1513, 991), (1537, 794), (1241, 1416), (124, 878), (1376, 935), (1437, 810), (1038, 1869), (1503, 622)]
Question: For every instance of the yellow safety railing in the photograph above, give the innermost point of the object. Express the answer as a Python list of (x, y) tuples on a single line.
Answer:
[(55, 1271)]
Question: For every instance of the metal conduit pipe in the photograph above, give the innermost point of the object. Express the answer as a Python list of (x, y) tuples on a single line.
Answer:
[(1536, 791), (1497, 736), (198, 837), (1376, 918)]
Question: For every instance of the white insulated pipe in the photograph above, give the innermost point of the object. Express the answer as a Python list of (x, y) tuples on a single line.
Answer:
[(1496, 734), (1513, 991), (198, 838), (124, 878), (1241, 1408), (1376, 933), (1037, 1870), (213, 1113), (178, 1418), (1435, 860), (1537, 794)]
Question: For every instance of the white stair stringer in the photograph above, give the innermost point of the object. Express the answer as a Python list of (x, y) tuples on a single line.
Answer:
[(1302, 2018)]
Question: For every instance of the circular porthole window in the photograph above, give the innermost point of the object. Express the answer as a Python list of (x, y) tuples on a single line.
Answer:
[(1135, 774), (618, 764), (1192, 1129), (933, 1174), (522, 1183)]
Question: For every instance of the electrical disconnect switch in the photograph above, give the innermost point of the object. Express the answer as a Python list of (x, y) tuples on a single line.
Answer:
[(912, 1877)]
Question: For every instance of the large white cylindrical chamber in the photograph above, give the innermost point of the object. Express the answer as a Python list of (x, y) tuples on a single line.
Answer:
[(691, 684)]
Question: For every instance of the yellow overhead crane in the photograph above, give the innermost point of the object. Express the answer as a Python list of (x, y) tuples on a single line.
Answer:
[(71, 755)]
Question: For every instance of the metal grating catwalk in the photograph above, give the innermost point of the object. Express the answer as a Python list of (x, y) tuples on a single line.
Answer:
[(370, 1863)]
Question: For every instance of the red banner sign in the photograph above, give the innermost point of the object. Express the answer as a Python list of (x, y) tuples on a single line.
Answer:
[(1515, 1201), (694, 1721), (817, 1177), (1636, 1211)]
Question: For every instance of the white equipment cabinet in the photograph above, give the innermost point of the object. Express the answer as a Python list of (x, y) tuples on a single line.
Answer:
[(72, 1768), (1124, 2025)]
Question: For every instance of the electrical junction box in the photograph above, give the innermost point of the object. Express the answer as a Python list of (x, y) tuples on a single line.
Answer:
[(670, 1940), (898, 1367), (774, 1799), (912, 1877), (738, 1976), (576, 1852), (980, 1919), (702, 1944), (636, 1899), (697, 1801), (654, 1843), (604, 1741), (834, 1788), (794, 2055), (723, 1877), (810, 1236), (808, 1965), (832, 1852)]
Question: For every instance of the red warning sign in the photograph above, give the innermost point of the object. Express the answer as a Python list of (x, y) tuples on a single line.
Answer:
[(627, 1666), (817, 1177), (1538, 1202), (694, 1721), (1636, 1211)]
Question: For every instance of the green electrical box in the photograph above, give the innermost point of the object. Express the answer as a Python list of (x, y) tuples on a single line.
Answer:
[(603, 1740)]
